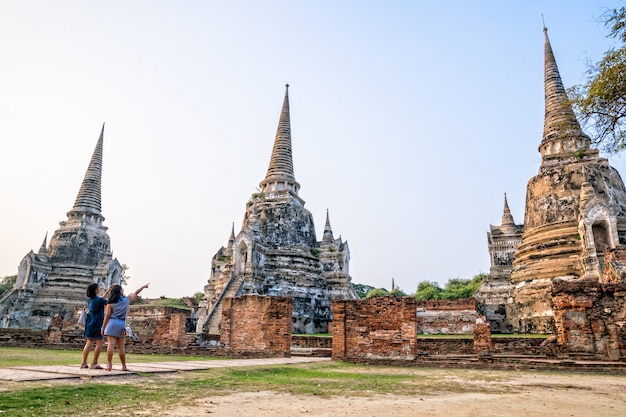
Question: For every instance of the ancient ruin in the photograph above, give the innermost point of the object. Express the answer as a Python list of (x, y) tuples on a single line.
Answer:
[(52, 282), (491, 297), (276, 253), (575, 210)]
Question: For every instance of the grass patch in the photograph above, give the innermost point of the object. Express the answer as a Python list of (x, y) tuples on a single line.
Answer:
[(34, 357), (134, 395), (149, 391)]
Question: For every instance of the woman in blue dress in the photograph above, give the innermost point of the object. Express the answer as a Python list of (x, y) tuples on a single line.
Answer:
[(114, 323), (93, 335)]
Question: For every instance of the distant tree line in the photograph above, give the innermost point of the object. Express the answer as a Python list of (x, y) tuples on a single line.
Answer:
[(455, 288)]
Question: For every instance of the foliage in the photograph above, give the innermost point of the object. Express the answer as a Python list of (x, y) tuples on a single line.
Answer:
[(454, 289), (124, 278), (362, 289), (427, 290), (601, 101), (378, 292), (7, 283), (315, 252), (198, 296), (164, 302)]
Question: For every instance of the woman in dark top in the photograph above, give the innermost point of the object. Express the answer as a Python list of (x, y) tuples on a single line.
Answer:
[(95, 316)]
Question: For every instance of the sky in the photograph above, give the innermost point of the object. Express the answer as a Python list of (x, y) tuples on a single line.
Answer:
[(409, 120)]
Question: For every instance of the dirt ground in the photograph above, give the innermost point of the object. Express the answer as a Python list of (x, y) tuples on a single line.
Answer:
[(541, 394)]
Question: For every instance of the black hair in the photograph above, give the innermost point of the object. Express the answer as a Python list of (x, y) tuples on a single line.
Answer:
[(91, 290), (115, 294)]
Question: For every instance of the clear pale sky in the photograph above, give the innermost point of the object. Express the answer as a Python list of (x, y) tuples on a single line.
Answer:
[(410, 120)]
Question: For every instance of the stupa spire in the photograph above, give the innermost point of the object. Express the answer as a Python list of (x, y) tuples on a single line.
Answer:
[(280, 174), (328, 231), (507, 217), (89, 196), (44, 245), (231, 241), (561, 130)]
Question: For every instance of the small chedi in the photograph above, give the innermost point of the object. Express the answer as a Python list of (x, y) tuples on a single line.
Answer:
[(276, 253), (492, 296), (51, 283), (575, 213)]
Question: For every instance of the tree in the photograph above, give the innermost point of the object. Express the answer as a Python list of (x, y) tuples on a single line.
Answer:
[(397, 292), (362, 289), (455, 288), (427, 290), (7, 283), (198, 296), (124, 278), (377, 292), (601, 101)]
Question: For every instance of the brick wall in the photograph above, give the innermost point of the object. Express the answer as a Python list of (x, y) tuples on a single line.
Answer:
[(614, 269), (163, 326), (312, 342), (448, 305), (255, 325), (590, 317), (374, 329), (446, 316)]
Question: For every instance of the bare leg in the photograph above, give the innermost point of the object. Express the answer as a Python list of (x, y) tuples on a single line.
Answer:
[(110, 348), (96, 355), (86, 350), (121, 352)]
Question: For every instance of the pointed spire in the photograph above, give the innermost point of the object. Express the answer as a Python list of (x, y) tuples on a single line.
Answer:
[(328, 231), (231, 241), (560, 123), (44, 245), (280, 171), (507, 217), (88, 198)]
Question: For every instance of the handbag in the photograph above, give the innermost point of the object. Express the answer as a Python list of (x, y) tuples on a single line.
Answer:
[(129, 333), (82, 319)]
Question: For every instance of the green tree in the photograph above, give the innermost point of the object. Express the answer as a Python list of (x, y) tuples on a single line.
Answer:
[(427, 290), (397, 292), (362, 289), (124, 278), (455, 288), (601, 101), (6, 283), (377, 292), (198, 296)]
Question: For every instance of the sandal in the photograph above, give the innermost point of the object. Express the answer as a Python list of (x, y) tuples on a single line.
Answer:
[(125, 369), (96, 366), (85, 366)]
